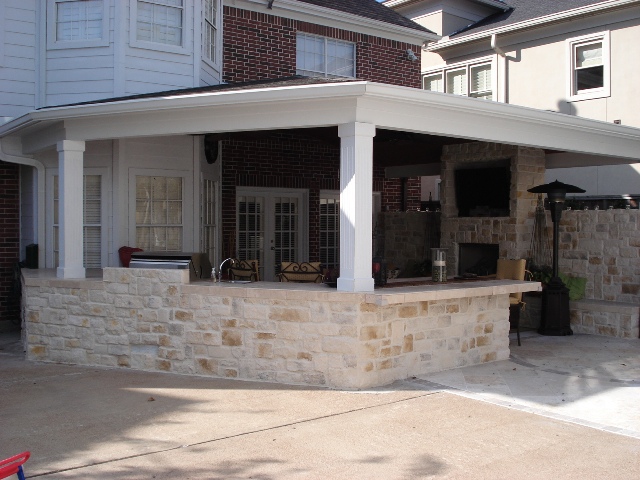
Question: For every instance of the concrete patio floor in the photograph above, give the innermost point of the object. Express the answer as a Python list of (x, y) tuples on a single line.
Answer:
[(561, 407)]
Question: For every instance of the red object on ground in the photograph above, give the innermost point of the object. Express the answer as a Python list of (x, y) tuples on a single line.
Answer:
[(13, 465), (125, 255)]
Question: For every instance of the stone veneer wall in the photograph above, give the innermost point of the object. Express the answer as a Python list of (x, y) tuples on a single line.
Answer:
[(513, 233), (155, 320), (604, 247)]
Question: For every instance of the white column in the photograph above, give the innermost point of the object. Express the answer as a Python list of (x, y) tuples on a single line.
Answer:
[(70, 163), (356, 184)]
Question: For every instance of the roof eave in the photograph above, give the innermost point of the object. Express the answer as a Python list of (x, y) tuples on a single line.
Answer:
[(446, 42)]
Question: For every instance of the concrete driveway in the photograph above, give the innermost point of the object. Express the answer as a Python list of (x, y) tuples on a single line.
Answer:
[(562, 407)]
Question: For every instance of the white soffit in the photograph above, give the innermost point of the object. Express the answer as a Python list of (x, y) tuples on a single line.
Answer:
[(386, 106)]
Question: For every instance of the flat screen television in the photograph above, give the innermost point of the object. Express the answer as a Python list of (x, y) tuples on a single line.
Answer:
[(483, 191)]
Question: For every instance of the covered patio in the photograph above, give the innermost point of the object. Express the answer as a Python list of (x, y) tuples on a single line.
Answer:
[(353, 337)]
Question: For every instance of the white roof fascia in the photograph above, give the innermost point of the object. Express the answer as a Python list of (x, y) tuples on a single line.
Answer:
[(534, 22), (339, 19), (386, 106)]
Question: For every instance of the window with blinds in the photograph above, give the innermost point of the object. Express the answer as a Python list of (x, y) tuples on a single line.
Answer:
[(589, 66), (210, 29), (159, 213), (329, 229), (590, 69), (78, 19), (208, 218), (473, 80), (92, 221), (160, 21), (324, 57)]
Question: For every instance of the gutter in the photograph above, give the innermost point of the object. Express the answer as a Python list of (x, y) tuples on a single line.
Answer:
[(21, 160), (532, 23)]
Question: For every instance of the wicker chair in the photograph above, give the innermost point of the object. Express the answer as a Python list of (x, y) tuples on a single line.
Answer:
[(244, 270), (301, 272), (513, 270)]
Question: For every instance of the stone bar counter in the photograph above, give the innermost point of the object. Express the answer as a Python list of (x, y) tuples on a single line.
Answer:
[(290, 333)]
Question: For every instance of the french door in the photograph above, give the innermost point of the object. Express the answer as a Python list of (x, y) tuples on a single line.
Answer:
[(271, 227)]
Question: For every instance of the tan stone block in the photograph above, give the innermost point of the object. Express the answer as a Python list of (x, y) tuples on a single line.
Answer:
[(483, 340), (408, 344), (385, 364), (123, 361), (305, 356), (231, 338), (373, 332), (408, 311), (265, 336), (489, 357), (488, 328), (164, 365), (229, 322), (264, 350), (206, 365), (368, 307), (183, 315), (230, 373), (72, 343), (162, 328), (453, 308), (368, 367), (289, 314), (37, 350)]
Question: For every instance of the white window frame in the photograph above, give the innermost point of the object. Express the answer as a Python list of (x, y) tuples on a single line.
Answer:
[(218, 36), (54, 44), (571, 45), (162, 47), (187, 202), (105, 213), (443, 70), (332, 196), (326, 39)]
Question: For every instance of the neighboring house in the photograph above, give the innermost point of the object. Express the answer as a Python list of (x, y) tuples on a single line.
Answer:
[(575, 57)]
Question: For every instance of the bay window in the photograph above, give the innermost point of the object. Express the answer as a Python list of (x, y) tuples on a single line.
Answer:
[(473, 80)]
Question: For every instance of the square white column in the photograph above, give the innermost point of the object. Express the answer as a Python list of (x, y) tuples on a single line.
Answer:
[(356, 206), (70, 163)]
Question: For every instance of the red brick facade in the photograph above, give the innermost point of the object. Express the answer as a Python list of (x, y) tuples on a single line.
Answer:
[(295, 162), (258, 46), (9, 241)]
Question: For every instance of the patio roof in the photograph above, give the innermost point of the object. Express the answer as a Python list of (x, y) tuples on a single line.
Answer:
[(295, 103)]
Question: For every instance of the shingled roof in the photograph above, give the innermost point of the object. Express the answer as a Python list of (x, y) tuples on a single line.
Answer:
[(368, 9), (521, 11)]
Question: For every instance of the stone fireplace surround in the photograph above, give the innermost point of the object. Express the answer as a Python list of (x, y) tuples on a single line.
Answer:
[(512, 234)]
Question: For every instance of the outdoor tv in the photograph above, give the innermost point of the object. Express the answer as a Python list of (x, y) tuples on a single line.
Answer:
[(483, 191)]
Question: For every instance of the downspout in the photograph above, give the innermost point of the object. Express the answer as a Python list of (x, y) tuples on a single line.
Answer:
[(19, 160), (502, 68)]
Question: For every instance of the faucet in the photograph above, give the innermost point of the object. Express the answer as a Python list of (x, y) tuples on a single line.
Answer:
[(222, 264)]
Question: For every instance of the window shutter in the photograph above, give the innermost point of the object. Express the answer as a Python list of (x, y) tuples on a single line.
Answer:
[(434, 83), (457, 82)]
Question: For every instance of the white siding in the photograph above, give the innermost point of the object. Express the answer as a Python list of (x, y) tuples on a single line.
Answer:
[(17, 57)]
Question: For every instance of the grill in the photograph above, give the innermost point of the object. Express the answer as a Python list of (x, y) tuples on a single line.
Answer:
[(197, 263)]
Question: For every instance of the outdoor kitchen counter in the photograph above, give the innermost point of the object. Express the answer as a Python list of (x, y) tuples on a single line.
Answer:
[(311, 334)]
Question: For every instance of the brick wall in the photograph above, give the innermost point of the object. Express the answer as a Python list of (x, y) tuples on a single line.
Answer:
[(294, 161), (258, 46), (9, 241)]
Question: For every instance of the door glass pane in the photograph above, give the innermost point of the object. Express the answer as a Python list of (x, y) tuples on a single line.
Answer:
[(286, 222), (250, 229)]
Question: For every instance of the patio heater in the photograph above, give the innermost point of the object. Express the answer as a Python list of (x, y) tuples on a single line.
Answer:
[(555, 316)]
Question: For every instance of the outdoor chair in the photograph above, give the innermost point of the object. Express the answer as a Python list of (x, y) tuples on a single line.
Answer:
[(301, 272), (13, 465), (513, 270), (244, 270)]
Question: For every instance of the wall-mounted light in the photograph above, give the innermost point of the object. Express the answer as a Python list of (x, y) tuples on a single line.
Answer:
[(411, 56)]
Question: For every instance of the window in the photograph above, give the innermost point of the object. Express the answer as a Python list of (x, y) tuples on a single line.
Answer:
[(324, 57), (160, 21), (210, 29), (159, 213), (589, 58), (329, 229), (473, 80), (77, 23), (92, 223), (208, 217)]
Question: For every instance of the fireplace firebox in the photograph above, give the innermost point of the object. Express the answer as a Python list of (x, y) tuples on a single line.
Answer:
[(478, 258)]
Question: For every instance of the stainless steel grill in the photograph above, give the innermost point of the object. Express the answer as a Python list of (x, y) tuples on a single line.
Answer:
[(197, 263)]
